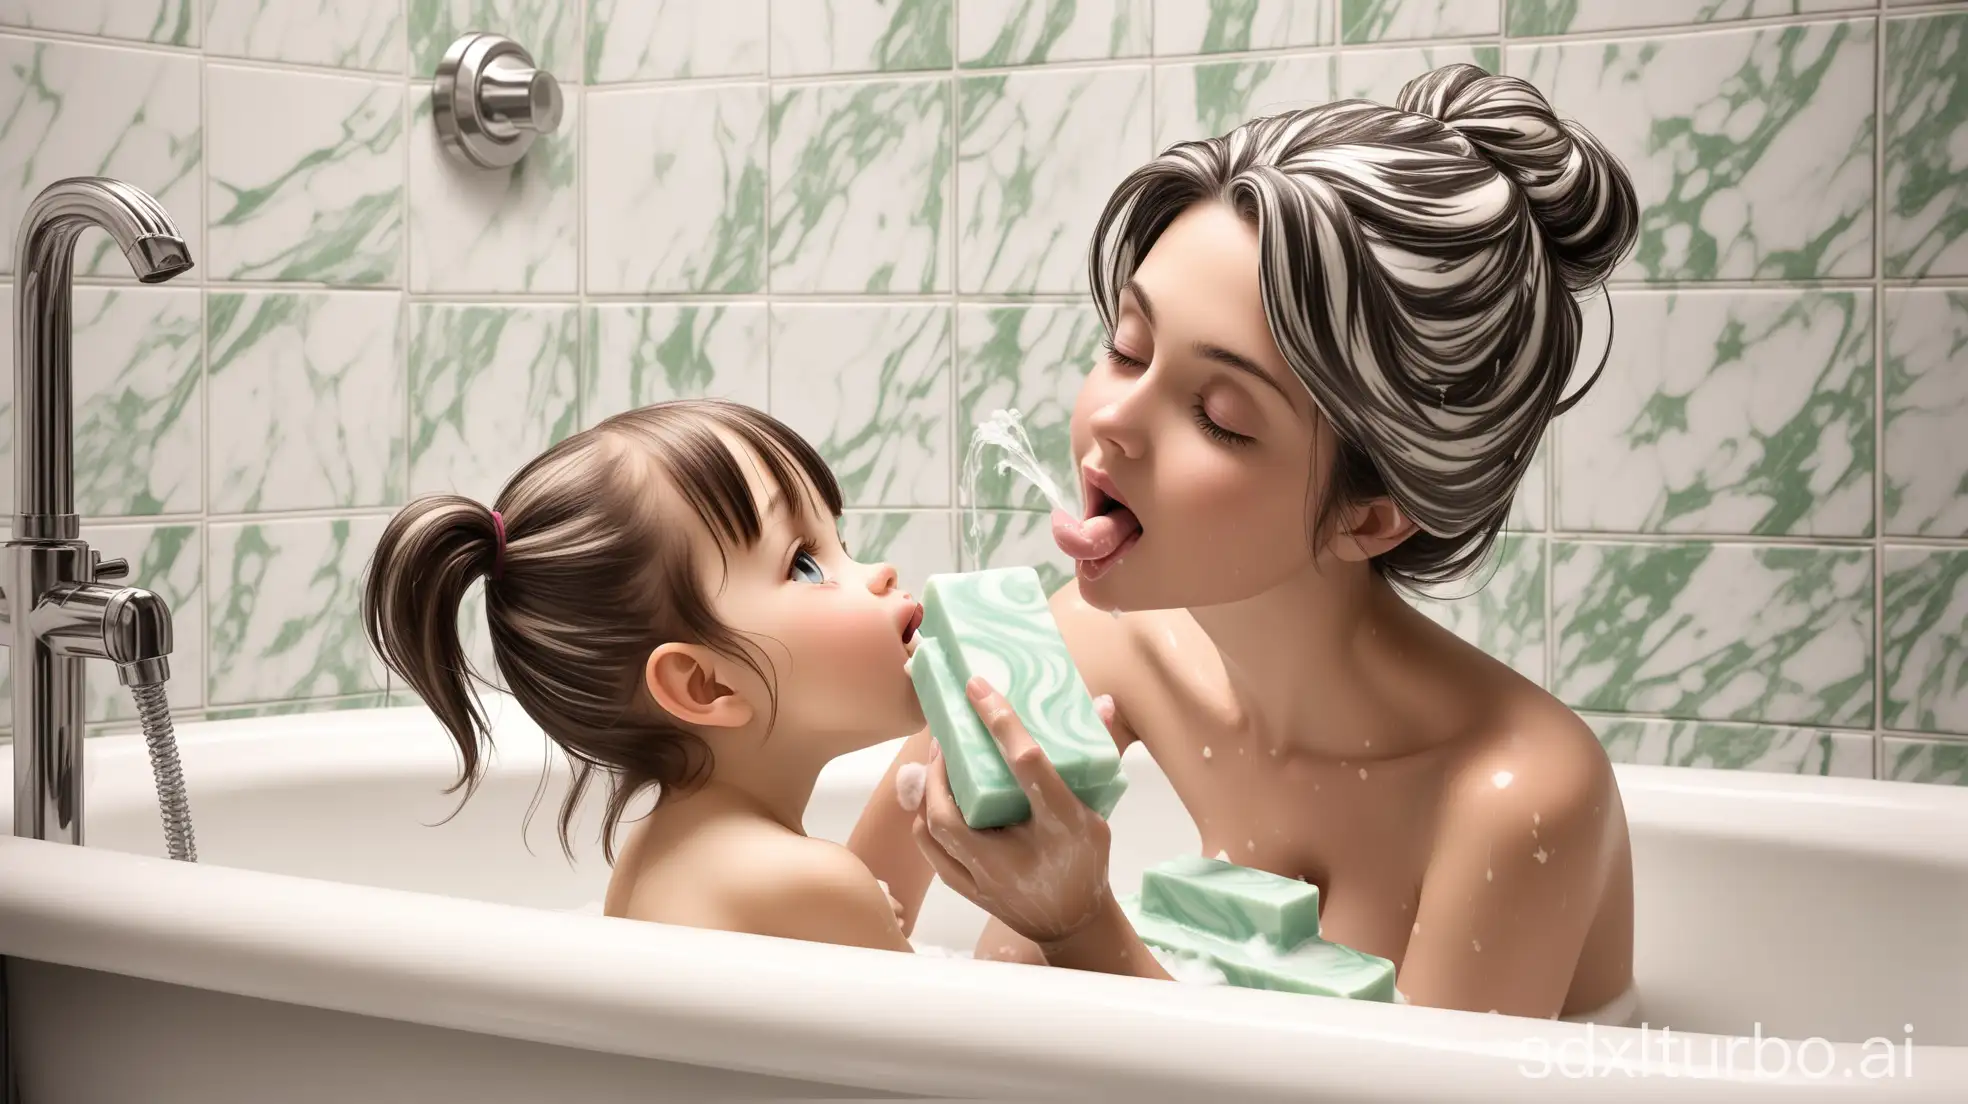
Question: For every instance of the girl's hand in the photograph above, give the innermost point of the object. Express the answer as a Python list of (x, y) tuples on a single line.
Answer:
[(1045, 878)]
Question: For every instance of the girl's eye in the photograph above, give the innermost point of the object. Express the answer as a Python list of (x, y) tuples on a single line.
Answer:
[(1119, 357), (805, 568), (1217, 432)]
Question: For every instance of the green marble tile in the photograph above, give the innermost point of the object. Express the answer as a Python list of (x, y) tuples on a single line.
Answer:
[(992, 33), (1010, 538), (1532, 18), (1379, 75), (1931, 761), (1926, 178), (1024, 213), (1751, 149), (1363, 21), (307, 398), (490, 388), (503, 232), (1210, 99), (810, 37), (306, 177), (1716, 632), (546, 28), (870, 387), (352, 34), (1033, 360), (167, 22), (1924, 640), (128, 114), (1926, 399), (638, 355), (138, 411), (920, 543), (1500, 609), (861, 187), (1232, 26), (675, 183), (1654, 742), (645, 40), (285, 610), (1725, 412)]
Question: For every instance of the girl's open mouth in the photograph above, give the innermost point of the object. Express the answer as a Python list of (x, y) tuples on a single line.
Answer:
[(1107, 532), (911, 625)]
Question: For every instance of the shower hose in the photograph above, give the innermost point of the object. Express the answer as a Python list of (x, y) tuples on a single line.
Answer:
[(155, 716)]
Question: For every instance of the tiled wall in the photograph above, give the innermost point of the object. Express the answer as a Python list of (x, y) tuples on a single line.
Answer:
[(1748, 548)]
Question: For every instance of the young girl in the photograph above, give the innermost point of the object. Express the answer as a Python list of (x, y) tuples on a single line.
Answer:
[(669, 599), (1336, 337)]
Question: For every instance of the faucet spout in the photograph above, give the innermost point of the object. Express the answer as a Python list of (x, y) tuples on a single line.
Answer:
[(44, 264)]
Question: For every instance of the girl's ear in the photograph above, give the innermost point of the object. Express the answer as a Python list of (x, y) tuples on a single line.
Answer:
[(1372, 528), (686, 680)]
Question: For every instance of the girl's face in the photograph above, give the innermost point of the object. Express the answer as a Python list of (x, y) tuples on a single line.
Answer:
[(1194, 423), (834, 632)]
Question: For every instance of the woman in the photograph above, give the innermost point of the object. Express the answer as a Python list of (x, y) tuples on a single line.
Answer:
[(1335, 338)]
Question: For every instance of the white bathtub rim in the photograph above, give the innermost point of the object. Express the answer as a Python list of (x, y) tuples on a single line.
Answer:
[(450, 962), (862, 1018)]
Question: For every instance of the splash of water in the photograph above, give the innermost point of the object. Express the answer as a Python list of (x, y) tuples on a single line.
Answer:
[(1003, 430)]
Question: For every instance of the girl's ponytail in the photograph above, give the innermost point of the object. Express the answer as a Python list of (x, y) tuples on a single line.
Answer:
[(431, 553)]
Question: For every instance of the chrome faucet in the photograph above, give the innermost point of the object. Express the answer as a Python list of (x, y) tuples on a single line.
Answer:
[(53, 600)]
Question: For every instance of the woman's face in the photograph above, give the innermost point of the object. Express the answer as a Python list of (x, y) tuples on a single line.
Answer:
[(1193, 421)]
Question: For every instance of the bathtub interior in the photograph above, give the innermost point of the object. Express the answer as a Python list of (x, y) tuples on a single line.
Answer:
[(1742, 923)]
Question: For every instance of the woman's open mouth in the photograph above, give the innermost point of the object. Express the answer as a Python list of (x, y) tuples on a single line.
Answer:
[(1105, 534)]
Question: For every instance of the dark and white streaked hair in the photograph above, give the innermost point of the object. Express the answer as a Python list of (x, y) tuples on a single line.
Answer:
[(1418, 269)]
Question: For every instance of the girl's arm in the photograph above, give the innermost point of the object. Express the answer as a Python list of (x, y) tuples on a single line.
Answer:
[(882, 839)]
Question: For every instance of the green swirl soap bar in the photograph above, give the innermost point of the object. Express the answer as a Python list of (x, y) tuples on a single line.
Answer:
[(1259, 930), (996, 624), (1231, 901)]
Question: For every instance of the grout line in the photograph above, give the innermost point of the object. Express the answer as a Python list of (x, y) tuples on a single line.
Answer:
[(207, 578), (1879, 123), (957, 439)]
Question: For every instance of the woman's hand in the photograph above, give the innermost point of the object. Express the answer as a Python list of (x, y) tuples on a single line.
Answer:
[(1045, 878)]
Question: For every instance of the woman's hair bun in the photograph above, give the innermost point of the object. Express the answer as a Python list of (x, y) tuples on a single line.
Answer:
[(1579, 193)]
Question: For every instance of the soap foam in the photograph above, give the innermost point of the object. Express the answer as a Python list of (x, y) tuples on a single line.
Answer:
[(1187, 969), (910, 779)]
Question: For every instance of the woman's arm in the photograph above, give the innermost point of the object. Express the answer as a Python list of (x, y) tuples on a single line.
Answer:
[(1514, 883), (882, 839)]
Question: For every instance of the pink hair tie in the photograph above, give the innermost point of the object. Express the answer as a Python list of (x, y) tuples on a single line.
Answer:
[(498, 544)]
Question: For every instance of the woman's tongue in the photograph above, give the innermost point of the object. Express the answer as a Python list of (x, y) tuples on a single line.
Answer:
[(1093, 538)]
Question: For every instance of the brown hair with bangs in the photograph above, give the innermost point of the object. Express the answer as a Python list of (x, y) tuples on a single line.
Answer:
[(594, 576)]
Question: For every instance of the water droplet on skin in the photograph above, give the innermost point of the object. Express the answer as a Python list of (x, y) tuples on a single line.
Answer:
[(1206, 751), (1489, 875), (1540, 855), (1223, 856), (1274, 753), (1250, 845), (1366, 743), (1501, 779), (1363, 774), (1416, 930), (1478, 944), (1536, 820)]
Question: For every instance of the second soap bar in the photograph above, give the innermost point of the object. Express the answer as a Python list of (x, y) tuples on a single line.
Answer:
[(996, 624)]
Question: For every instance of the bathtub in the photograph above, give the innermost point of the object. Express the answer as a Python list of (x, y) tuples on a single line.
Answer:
[(337, 942)]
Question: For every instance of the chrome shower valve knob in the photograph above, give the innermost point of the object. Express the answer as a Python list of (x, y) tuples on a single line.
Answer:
[(490, 101)]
